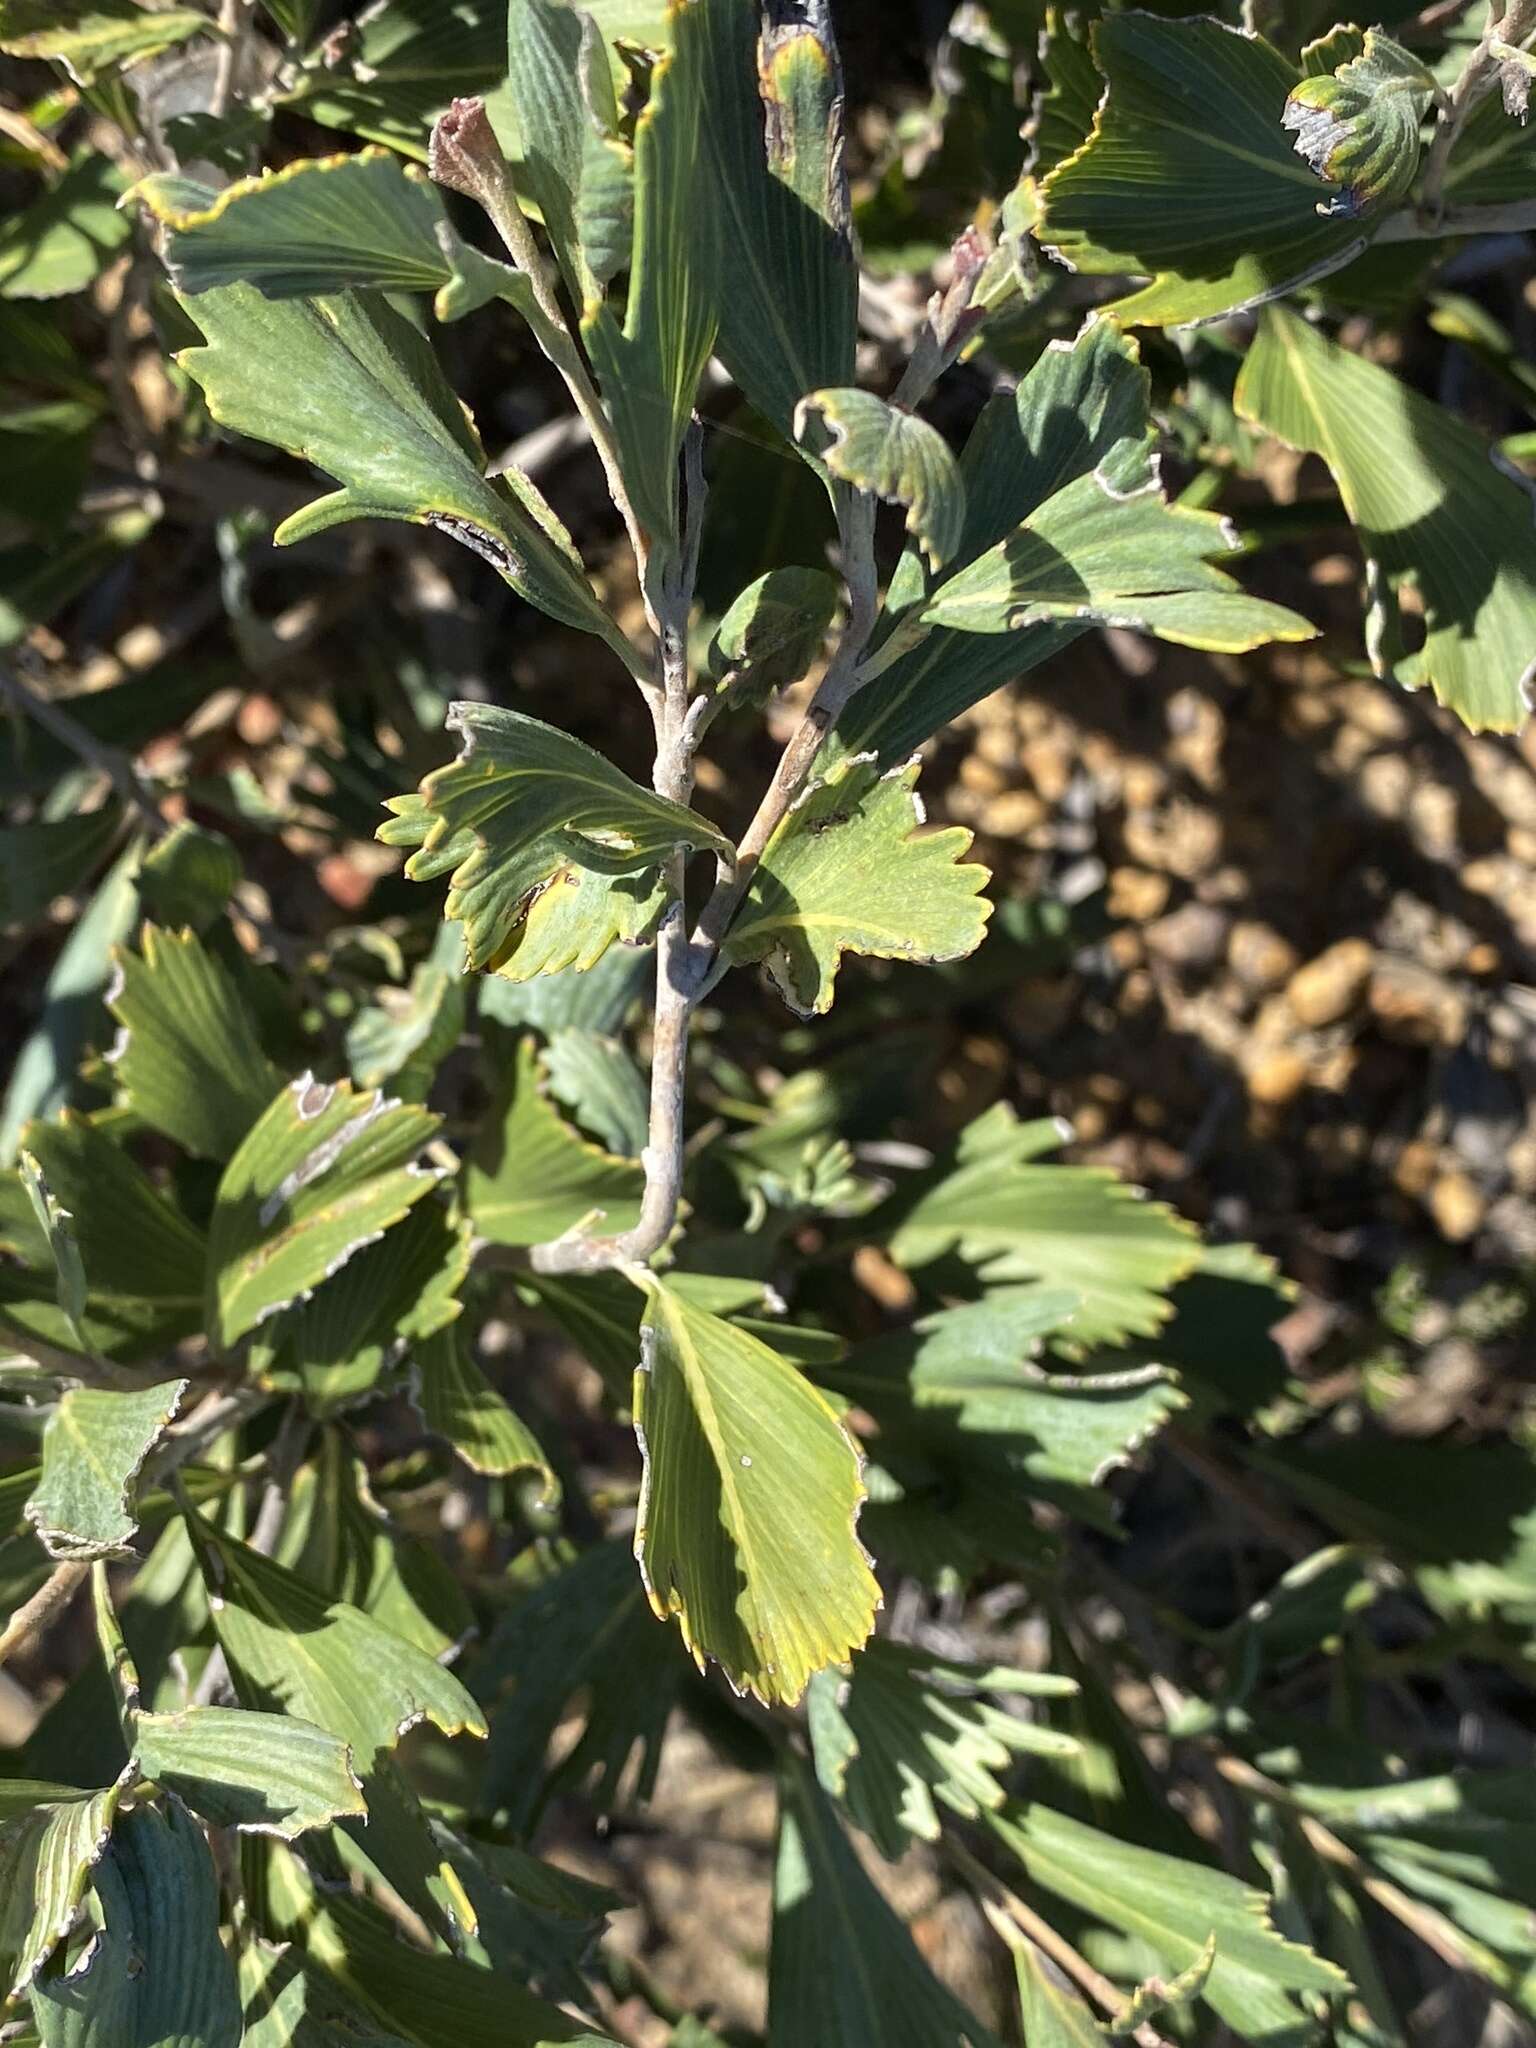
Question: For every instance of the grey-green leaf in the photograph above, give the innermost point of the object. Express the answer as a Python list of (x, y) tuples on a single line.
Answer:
[(1358, 126), (877, 447), (271, 1773), (94, 1447)]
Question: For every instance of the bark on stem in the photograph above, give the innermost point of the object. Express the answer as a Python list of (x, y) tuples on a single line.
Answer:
[(1514, 23)]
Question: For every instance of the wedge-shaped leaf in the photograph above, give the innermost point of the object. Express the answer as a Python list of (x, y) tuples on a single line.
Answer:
[(187, 1055), (572, 164), (51, 857), (649, 371), (157, 1975), (290, 1649), (361, 1321), (89, 37), (531, 1178), (325, 1172), (1358, 125), (142, 1259), (878, 447), (905, 1728), (349, 385), (573, 922), (848, 871), (584, 1639), (1075, 1226), (1432, 511), (842, 1967), (521, 805), (599, 1083), (1067, 95), (427, 1998), (1189, 177), (788, 282), (1125, 558), (1493, 159), (459, 1404), (774, 630), (1082, 407), (1174, 1907), (746, 1529), (268, 1772), (51, 1838), (328, 224), (1053, 2015), (963, 1387), (94, 1447)]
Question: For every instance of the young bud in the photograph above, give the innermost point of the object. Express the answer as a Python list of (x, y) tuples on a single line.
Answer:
[(464, 155)]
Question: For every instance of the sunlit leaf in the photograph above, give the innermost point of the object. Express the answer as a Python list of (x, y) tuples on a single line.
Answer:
[(1358, 124), (522, 806), (1189, 177), (906, 1728), (238, 1769), (324, 1173), (94, 1447), (328, 224), (1175, 1907), (348, 384), (877, 447), (89, 37), (774, 629), (62, 241), (1075, 1226), (747, 1516), (1434, 514), (848, 871), (50, 1841)]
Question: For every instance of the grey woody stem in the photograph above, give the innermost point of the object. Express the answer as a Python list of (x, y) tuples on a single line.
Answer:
[(686, 968), (1511, 23)]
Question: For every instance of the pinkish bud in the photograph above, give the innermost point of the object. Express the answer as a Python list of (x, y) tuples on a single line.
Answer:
[(464, 154)]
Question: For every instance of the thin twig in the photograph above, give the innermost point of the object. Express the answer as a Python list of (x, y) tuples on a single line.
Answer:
[(234, 24), (68, 730), (1007, 1905), (1511, 23), (46, 1606)]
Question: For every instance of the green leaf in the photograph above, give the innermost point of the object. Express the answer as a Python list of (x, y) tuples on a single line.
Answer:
[(409, 59), (599, 1083), (327, 224), (428, 1998), (267, 1772), (459, 1404), (1068, 93), (522, 804), (1432, 511), (1082, 407), (346, 383), (324, 1172), (1188, 176), (187, 1056), (788, 281), (51, 857), (143, 1261), (1052, 2016), (1358, 125), (62, 241), (327, 1663), (877, 447), (906, 1728), (746, 1527), (58, 1229), (774, 630), (158, 1976), (1077, 1226), (1118, 556), (649, 372), (570, 161), (407, 1034), (842, 1967), (1175, 1907), (94, 1447), (287, 2005), (89, 37), (582, 1644), (334, 1346), (189, 876), (531, 1178), (50, 1841), (848, 871)]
